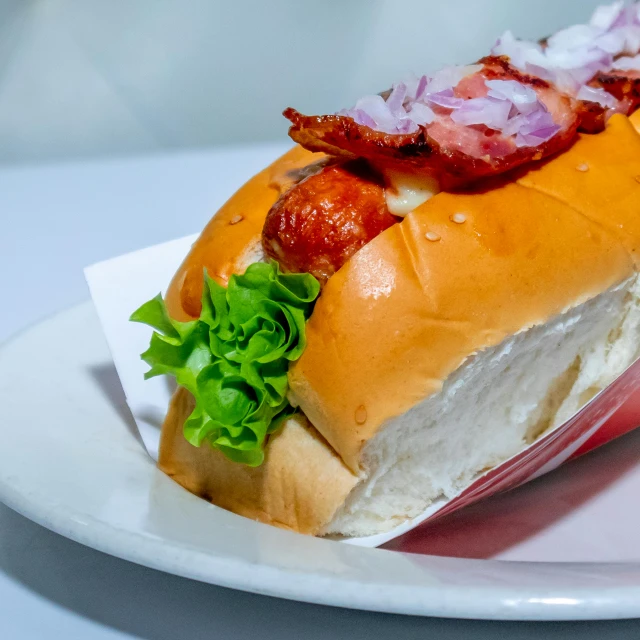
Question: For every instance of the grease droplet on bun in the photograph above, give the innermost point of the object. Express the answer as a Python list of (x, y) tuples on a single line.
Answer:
[(361, 414)]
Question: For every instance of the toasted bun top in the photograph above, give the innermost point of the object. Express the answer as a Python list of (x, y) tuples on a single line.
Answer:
[(233, 230), (406, 311)]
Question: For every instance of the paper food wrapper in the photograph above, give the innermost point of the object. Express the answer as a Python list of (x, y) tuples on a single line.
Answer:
[(121, 285)]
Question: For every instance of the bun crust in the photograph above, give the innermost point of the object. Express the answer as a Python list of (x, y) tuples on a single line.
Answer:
[(406, 311)]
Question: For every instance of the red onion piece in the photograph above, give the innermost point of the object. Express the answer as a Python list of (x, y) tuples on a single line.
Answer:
[(362, 117), (570, 59), (520, 52), (536, 129), (449, 77), (524, 98), (627, 63), (490, 112), (422, 85), (421, 114), (391, 115), (509, 107), (608, 16), (377, 110), (573, 38), (536, 138), (396, 99), (445, 99), (575, 55), (598, 95)]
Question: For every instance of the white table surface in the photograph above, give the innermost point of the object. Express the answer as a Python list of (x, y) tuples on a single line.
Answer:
[(54, 220)]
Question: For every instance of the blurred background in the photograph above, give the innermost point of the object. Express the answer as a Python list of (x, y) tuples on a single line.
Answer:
[(96, 78)]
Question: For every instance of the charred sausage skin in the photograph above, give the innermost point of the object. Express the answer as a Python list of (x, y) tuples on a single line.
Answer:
[(318, 224)]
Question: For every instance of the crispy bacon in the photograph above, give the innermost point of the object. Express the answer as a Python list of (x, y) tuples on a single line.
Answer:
[(455, 154), (592, 116), (318, 224), (624, 86)]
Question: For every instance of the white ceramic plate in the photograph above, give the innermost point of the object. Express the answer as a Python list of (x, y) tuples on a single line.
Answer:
[(70, 459)]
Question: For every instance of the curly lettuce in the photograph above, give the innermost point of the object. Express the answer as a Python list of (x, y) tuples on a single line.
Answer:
[(234, 359)]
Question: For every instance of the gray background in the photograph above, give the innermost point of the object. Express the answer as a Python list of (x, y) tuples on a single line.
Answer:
[(113, 77), (85, 82)]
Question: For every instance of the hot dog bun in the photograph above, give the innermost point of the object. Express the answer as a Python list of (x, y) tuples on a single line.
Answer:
[(433, 357)]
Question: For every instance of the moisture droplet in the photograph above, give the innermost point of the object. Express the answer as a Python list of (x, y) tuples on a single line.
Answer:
[(361, 414)]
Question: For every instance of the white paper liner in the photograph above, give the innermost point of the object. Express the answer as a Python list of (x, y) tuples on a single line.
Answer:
[(118, 287)]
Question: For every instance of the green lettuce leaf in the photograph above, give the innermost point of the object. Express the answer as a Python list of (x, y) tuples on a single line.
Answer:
[(234, 359)]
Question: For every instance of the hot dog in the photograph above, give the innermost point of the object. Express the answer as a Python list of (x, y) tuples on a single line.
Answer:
[(373, 359)]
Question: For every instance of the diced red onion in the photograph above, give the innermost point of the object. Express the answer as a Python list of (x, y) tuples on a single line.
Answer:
[(445, 99), (575, 55), (411, 83), (361, 117), (415, 86), (509, 107), (598, 95), (632, 44), (524, 98), (583, 62), (514, 124), (376, 108), (627, 63), (420, 89), (613, 42), (390, 116), (520, 52), (407, 106), (571, 58), (421, 114), (490, 112), (536, 138), (537, 70), (538, 128), (450, 77), (574, 37), (396, 99), (605, 17), (405, 125)]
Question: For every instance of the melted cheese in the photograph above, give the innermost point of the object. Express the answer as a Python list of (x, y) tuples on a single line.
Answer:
[(405, 192)]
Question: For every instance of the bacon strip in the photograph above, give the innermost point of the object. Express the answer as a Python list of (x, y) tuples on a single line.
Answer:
[(592, 116), (624, 86), (455, 154)]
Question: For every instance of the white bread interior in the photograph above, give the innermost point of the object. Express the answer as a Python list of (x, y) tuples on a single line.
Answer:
[(490, 408)]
